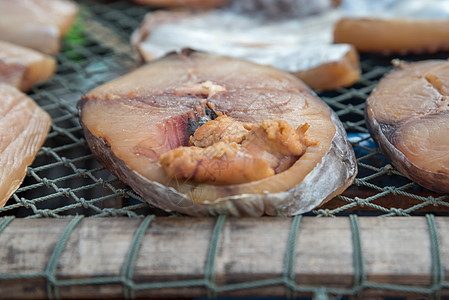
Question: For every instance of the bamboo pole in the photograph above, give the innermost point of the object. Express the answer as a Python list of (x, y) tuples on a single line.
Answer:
[(174, 257)]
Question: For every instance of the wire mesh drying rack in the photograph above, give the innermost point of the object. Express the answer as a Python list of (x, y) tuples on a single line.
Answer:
[(65, 181)]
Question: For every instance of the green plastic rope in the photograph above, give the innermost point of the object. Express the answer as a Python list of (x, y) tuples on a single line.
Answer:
[(128, 265), (437, 269), (359, 272), (209, 273), (290, 255), (5, 222), (320, 294), (52, 290)]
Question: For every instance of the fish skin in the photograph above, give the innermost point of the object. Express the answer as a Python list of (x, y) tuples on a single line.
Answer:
[(24, 126), (408, 116), (323, 171)]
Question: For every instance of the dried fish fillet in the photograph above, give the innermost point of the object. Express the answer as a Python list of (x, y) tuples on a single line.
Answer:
[(393, 35), (36, 24), (299, 46), (408, 116), (131, 122), (24, 126), (23, 67)]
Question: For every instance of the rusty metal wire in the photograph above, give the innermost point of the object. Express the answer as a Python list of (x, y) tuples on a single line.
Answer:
[(65, 179)]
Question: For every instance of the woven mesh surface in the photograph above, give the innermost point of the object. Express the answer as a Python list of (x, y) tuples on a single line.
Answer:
[(65, 179)]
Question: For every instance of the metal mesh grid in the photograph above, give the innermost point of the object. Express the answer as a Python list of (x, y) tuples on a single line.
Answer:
[(65, 178)]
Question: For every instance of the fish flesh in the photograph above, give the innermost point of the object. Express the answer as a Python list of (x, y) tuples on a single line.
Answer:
[(244, 151), (24, 126), (393, 35), (301, 46), (22, 67), (36, 24), (179, 128), (408, 116)]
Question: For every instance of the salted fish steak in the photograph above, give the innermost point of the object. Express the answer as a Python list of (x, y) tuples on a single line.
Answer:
[(408, 116), (36, 24), (301, 46), (23, 67), (203, 134), (24, 126)]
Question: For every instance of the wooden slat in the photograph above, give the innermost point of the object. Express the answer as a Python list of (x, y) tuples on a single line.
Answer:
[(396, 250)]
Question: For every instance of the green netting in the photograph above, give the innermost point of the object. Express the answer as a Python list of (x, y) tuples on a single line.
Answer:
[(287, 279), (65, 179)]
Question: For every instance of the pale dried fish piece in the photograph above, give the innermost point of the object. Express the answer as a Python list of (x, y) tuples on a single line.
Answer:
[(299, 46), (397, 35), (22, 67), (400, 26), (36, 24), (408, 116), (24, 127)]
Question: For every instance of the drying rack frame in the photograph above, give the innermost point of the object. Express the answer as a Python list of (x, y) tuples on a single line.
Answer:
[(69, 194)]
